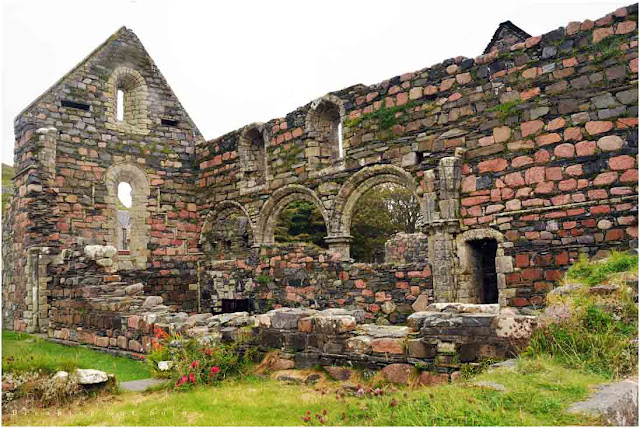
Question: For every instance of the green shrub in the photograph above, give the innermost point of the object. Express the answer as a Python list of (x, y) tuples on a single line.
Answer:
[(194, 363)]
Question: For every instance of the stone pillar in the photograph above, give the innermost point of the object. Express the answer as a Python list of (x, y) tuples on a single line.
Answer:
[(38, 261), (340, 244), (47, 154), (444, 263), (442, 224)]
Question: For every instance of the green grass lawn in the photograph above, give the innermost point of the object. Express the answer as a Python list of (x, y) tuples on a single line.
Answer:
[(24, 352), (537, 393)]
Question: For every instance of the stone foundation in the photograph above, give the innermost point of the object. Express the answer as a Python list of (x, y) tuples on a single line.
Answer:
[(441, 339)]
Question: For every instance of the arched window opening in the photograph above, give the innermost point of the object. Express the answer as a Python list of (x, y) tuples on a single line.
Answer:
[(325, 126), (128, 107), (482, 267), (384, 225), (301, 221), (124, 194), (127, 211), (253, 160), (124, 217), (120, 106)]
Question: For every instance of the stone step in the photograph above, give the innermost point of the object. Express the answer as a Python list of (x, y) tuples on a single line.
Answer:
[(141, 385)]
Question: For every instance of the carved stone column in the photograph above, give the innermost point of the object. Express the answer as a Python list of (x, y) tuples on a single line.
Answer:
[(441, 224)]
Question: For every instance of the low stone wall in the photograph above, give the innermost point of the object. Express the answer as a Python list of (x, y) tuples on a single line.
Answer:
[(440, 340), (300, 274), (406, 248)]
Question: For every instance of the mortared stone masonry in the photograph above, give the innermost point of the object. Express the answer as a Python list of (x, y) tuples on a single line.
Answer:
[(522, 159)]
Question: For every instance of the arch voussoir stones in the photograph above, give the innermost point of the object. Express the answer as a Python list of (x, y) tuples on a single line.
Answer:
[(269, 215), (359, 184)]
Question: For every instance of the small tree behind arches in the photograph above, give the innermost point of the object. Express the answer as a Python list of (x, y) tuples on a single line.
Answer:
[(301, 221), (381, 212)]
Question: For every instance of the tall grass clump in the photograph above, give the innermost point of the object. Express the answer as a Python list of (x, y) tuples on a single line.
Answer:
[(593, 273), (599, 329)]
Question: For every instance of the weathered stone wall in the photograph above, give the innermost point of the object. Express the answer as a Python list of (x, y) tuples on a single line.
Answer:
[(533, 146), (304, 275), (72, 151), (406, 248)]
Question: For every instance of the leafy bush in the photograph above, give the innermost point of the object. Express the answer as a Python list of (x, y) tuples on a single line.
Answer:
[(600, 331), (194, 363)]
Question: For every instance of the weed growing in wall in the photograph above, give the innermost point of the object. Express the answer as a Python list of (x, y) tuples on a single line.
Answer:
[(385, 116), (507, 109)]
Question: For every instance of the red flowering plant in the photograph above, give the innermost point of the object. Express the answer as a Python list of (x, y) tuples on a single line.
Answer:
[(193, 363)]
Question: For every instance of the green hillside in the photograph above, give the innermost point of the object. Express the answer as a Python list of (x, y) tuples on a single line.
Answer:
[(7, 184)]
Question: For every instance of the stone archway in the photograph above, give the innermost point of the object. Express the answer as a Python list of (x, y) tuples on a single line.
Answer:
[(358, 185), (139, 213), (270, 212), (226, 210), (468, 286), (345, 201)]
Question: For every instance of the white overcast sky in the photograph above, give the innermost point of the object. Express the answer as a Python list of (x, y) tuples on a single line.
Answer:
[(236, 62)]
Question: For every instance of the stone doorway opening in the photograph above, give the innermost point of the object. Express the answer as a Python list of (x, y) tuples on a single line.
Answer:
[(483, 269)]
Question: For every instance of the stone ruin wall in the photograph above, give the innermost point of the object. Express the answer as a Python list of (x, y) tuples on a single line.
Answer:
[(534, 147), (69, 159), (406, 248), (540, 137)]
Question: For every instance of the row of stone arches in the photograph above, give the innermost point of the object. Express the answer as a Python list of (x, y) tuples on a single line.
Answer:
[(336, 212), (480, 269)]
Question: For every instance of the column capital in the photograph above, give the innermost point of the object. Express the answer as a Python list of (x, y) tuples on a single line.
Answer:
[(338, 239), (340, 245), (448, 225)]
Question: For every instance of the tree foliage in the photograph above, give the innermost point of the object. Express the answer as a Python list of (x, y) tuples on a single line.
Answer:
[(301, 221), (380, 213)]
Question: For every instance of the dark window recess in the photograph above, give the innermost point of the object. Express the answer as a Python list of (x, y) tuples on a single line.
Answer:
[(236, 305), (79, 106), (169, 122)]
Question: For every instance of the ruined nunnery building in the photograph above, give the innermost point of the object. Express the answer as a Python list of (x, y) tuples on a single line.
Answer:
[(522, 160)]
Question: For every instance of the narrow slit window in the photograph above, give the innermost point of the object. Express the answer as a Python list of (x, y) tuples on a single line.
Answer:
[(124, 216), (120, 106), (72, 104), (169, 122)]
